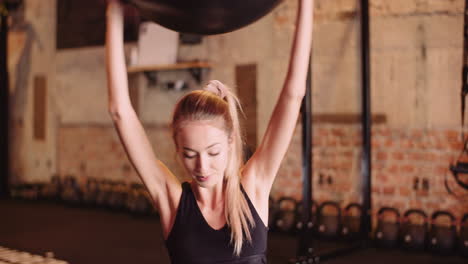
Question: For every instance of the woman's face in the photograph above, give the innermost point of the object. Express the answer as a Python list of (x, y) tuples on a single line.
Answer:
[(203, 147)]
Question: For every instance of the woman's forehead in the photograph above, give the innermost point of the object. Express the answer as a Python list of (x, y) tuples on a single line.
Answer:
[(201, 134)]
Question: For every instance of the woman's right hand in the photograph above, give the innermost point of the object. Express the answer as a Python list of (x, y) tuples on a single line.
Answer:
[(114, 10)]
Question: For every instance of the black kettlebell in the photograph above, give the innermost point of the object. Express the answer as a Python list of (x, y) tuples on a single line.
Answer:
[(300, 226), (285, 217), (56, 187), (90, 192), (413, 235), (139, 201), (272, 209), (52, 190), (105, 190), (328, 224), (442, 238), (71, 192), (118, 196), (309, 259), (40, 186), (28, 191), (131, 197), (463, 237), (351, 223), (15, 191), (386, 233)]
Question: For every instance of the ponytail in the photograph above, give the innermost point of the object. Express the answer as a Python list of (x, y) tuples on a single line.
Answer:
[(238, 213)]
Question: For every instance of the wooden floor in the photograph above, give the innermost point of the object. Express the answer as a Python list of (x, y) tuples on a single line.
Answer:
[(96, 236)]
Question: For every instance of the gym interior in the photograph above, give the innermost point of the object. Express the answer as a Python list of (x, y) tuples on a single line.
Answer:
[(376, 172)]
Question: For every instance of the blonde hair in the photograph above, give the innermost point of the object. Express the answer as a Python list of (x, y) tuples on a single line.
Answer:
[(206, 105)]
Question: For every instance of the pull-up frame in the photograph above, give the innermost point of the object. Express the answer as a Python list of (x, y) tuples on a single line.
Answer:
[(304, 240)]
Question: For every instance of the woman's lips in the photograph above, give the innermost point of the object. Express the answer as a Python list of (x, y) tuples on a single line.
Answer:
[(203, 178)]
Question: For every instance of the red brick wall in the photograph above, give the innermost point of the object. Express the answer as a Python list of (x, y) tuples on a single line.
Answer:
[(96, 151), (398, 156)]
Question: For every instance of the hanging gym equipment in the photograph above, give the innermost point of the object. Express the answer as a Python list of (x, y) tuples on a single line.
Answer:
[(442, 238), (329, 223), (460, 168), (414, 235), (463, 236), (204, 17), (351, 222), (386, 233)]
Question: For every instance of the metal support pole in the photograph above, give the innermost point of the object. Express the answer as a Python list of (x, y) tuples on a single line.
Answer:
[(4, 108), (366, 168), (306, 110)]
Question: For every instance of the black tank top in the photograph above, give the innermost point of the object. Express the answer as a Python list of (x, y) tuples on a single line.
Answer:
[(192, 241)]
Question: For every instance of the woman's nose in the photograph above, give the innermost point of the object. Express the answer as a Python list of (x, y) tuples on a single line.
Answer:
[(202, 164)]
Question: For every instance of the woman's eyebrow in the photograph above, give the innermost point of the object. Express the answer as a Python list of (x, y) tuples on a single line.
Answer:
[(212, 145)]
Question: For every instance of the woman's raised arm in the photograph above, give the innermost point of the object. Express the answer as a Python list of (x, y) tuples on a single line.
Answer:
[(163, 186), (266, 160)]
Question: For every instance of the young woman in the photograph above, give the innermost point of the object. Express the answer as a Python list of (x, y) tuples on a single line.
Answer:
[(220, 215)]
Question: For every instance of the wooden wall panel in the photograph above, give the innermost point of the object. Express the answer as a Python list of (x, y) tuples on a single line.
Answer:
[(246, 82), (40, 107)]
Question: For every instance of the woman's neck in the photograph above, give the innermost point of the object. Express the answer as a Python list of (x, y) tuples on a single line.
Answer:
[(211, 198)]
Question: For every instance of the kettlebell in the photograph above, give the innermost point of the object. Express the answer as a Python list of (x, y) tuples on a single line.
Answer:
[(29, 191), (52, 190), (272, 209), (351, 227), (286, 215), (118, 196), (103, 196), (386, 233), (413, 235), (300, 225), (442, 238), (139, 200), (91, 192), (71, 192), (328, 224)]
